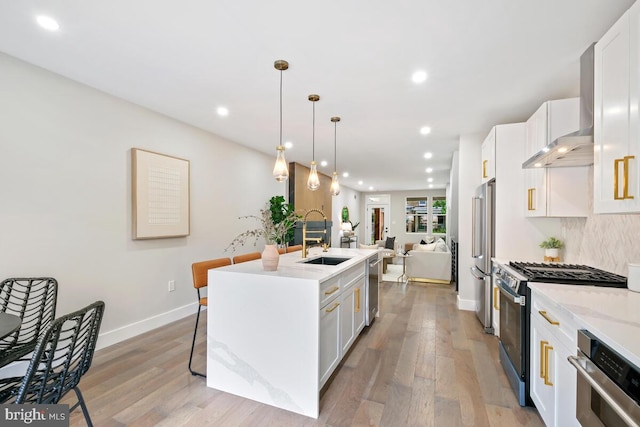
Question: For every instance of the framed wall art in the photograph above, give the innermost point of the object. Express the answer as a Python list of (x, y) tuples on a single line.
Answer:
[(160, 195)]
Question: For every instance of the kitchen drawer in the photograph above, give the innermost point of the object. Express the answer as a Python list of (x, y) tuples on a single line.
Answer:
[(329, 290), (351, 274), (559, 322)]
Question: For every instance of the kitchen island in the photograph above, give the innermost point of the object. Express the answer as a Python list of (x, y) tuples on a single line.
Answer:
[(276, 336)]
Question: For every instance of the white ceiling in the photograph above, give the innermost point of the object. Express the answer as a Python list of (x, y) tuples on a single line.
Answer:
[(489, 62)]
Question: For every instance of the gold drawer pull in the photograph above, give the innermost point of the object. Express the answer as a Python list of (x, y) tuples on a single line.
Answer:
[(495, 298), (530, 204), (547, 318), (543, 344), (332, 290), (335, 305), (484, 168), (357, 300), (625, 178)]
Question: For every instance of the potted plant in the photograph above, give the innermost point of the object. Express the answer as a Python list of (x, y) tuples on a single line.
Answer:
[(283, 214), (270, 231), (551, 247)]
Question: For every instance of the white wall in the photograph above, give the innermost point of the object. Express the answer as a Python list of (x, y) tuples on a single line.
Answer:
[(453, 198), (469, 178), (66, 198)]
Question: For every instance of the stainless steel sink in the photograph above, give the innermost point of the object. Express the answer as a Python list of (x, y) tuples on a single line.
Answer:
[(326, 260)]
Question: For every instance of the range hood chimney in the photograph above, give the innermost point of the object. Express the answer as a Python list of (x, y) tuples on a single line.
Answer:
[(574, 149)]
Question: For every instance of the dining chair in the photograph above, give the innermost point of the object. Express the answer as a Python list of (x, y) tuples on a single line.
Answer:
[(246, 257), (294, 248), (32, 299), (200, 272), (62, 355)]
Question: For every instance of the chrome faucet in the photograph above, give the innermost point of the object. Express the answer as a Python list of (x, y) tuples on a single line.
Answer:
[(306, 239)]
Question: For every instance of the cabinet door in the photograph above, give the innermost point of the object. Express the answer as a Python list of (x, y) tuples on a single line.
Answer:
[(615, 156), (542, 368), (565, 383), (360, 306), (347, 318), (330, 349), (489, 156), (536, 129), (536, 192)]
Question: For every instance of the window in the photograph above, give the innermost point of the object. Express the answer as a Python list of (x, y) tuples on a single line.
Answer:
[(426, 215)]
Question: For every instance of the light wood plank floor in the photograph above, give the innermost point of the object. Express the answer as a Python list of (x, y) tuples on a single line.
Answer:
[(423, 362)]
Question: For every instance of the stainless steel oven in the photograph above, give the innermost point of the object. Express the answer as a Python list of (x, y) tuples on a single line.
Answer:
[(608, 390)]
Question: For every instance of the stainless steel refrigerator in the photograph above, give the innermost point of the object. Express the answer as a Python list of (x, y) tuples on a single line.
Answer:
[(482, 249)]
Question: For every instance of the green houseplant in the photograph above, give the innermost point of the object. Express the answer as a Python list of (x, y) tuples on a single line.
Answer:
[(283, 215), (551, 248)]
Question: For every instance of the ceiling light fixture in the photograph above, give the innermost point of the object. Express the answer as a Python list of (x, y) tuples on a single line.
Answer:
[(345, 174), (281, 169), (430, 180), (370, 188), (335, 185), (324, 163), (419, 76), (223, 111), (428, 155), (360, 182), (47, 23), (430, 185), (313, 182), (429, 170), (288, 145), (425, 130)]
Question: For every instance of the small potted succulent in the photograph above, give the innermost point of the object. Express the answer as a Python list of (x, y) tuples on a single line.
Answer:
[(551, 247)]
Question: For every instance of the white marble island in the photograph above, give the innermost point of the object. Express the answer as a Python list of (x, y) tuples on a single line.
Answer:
[(275, 337)]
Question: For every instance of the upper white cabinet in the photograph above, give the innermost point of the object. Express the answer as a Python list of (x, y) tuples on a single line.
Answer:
[(554, 192), (489, 156), (616, 118)]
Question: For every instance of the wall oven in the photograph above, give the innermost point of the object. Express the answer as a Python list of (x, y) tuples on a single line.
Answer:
[(608, 390)]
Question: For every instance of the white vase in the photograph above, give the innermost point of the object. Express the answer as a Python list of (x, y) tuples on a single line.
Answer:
[(270, 258), (551, 253)]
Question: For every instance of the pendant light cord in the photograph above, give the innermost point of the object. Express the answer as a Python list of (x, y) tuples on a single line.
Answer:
[(335, 147), (281, 107), (313, 135)]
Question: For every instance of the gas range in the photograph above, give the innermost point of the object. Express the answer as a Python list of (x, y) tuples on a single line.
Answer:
[(516, 274)]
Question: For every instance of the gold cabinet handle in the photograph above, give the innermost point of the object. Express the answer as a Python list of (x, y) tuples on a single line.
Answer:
[(496, 292), (332, 290), (547, 318), (335, 305), (625, 178), (357, 300), (547, 349), (543, 363), (530, 204), (484, 168)]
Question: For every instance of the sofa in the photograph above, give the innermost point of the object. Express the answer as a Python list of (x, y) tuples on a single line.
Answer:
[(429, 263)]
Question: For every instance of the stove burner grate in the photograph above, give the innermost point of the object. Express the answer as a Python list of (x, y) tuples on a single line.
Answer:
[(569, 274)]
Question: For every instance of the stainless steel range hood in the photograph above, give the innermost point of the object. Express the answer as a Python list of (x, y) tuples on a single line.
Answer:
[(574, 149)]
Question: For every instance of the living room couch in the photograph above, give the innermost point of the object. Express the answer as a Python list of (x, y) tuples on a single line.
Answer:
[(429, 263)]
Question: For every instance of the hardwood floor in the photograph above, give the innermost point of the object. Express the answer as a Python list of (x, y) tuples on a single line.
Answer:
[(422, 363)]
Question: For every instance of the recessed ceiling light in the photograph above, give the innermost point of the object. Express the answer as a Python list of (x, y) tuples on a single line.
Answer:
[(288, 145), (430, 180), (360, 182), (323, 163), (419, 76), (428, 155), (430, 185), (370, 188), (429, 170), (425, 130), (47, 23), (345, 174), (222, 111)]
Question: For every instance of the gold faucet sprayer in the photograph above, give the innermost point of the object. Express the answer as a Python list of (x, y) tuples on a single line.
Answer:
[(305, 239)]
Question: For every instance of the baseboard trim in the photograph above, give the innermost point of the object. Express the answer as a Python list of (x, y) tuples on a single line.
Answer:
[(131, 330), (466, 304)]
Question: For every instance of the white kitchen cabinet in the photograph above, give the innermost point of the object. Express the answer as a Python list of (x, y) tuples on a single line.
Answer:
[(351, 313), (489, 156), (616, 118), (552, 378), (330, 342), (554, 192)]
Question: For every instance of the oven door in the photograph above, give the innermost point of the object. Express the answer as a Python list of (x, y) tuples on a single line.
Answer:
[(599, 400), (512, 326)]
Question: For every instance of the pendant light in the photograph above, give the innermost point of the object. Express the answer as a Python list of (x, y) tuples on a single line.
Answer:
[(335, 185), (281, 169), (313, 183)]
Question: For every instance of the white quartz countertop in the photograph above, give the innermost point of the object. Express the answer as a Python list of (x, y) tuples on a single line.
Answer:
[(611, 314), (291, 265)]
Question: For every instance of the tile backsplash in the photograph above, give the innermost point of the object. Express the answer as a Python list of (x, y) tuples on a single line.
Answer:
[(603, 241)]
